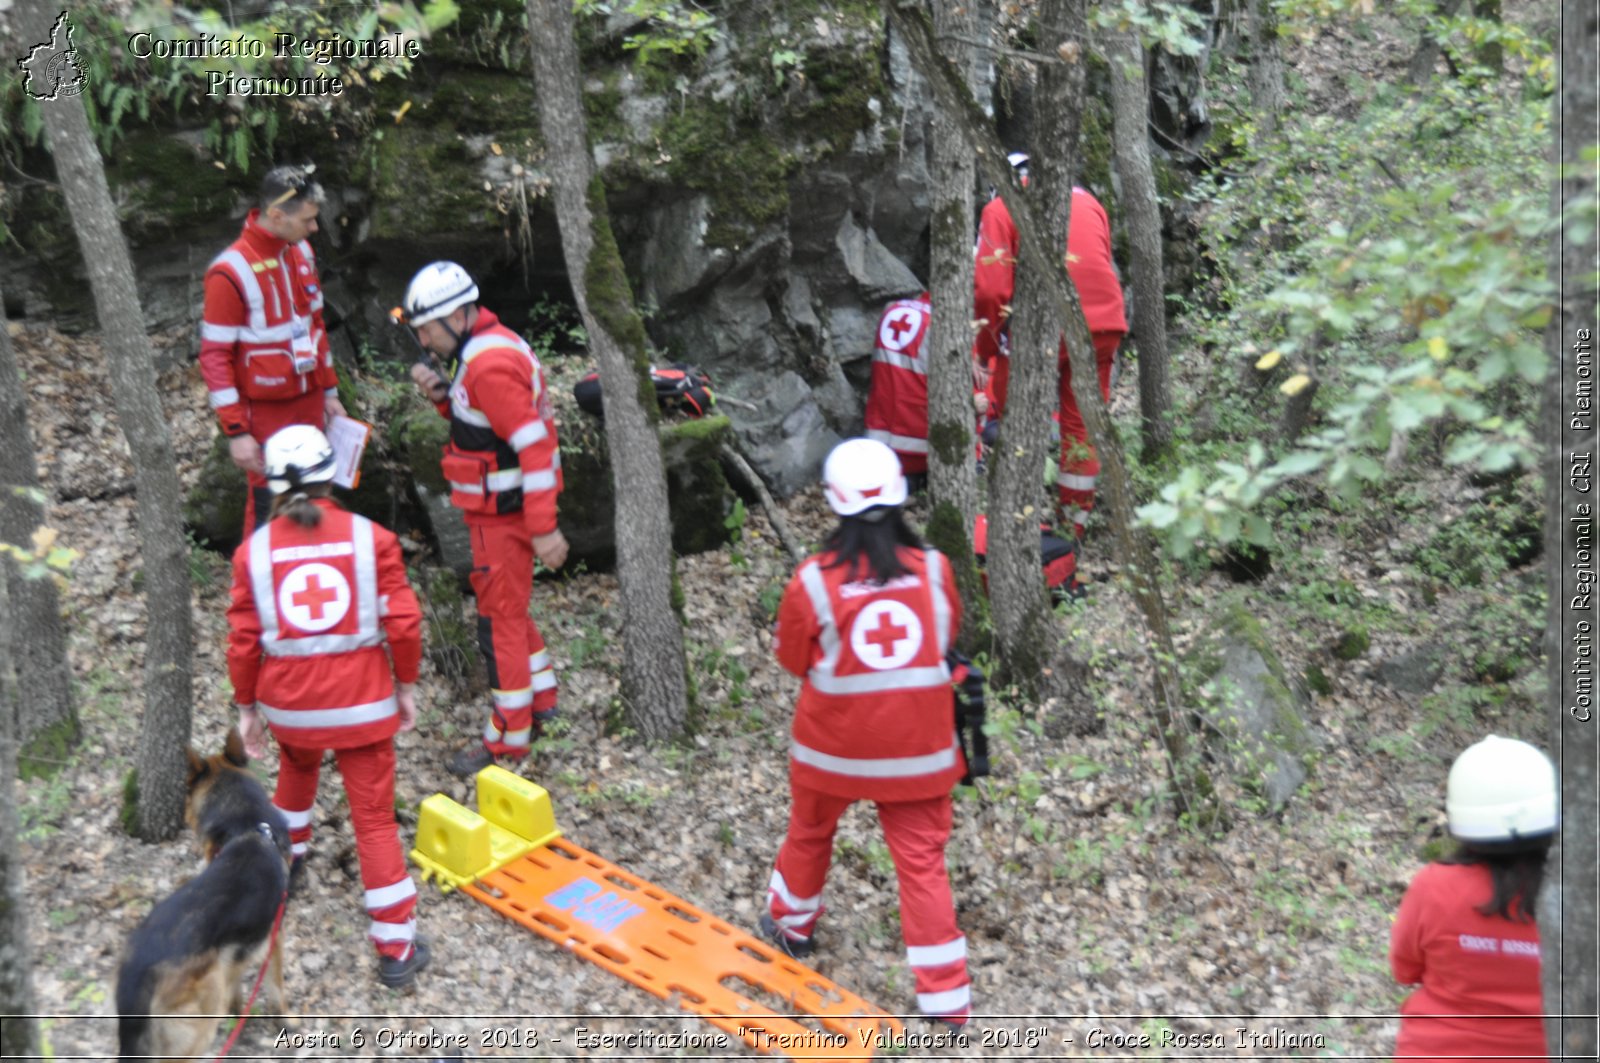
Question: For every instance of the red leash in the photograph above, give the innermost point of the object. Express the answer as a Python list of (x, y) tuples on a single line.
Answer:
[(272, 943)]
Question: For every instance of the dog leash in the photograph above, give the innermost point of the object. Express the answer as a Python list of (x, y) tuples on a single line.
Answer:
[(272, 943)]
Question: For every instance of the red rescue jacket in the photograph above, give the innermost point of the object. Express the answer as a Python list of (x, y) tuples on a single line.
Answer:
[(897, 405), (876, 715), (312, 610), (502, 457), (1469, 965), (1089, 264), (262, 337)]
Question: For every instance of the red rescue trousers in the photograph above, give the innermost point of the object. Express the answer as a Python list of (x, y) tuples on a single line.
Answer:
[(916, 832), (1079, 468), (522, 680), (391, 896)]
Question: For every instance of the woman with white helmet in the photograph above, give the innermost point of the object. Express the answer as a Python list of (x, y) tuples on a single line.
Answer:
[(1465, 931), (867, 624), (323, 625)]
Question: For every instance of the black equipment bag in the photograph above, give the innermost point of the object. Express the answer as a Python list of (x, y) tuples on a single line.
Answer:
[(971, 712)]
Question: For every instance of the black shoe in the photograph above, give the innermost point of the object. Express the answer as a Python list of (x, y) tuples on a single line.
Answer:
[(397, 974), (470, 761), (297, 875), (799, 948), (542, 720)]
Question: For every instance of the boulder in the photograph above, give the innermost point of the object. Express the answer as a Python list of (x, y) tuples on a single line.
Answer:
[(213, 510), (785, 437), (697, 491), (1415, 671), (1257, 716)]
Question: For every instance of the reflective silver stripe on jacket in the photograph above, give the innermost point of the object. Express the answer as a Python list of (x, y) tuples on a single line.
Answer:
[(351, 716), (249, 287), (917, 365), (257, 331), (475, 417), (879, 767), (529, 434), (905, 444), (462, 412), (823, 677), (222, 397), (503, 480), (1075, 482), (941, 605), (828, 633), (368, 633)]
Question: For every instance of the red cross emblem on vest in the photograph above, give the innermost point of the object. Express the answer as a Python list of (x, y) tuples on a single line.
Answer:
[(900, 327), (314, 597), (886, 634)]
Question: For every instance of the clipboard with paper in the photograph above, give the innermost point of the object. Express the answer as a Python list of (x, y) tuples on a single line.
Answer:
[(348, 437)]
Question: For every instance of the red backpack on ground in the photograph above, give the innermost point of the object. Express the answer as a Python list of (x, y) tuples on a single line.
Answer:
[(680, 388), (1058, 556)]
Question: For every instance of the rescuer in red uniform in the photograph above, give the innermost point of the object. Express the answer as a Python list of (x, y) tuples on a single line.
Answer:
[(867, 624), (1465, 931), (1094, 274), (897, 404), (504, 471), (263, 346), (317, 594)]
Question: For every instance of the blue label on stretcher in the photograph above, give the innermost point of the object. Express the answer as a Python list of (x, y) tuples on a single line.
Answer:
[(593, 904)]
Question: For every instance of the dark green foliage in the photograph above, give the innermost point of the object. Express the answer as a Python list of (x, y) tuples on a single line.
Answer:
[(1352, 643)]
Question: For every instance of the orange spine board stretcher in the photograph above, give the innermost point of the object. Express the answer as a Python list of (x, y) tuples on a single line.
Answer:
[(678, 953)]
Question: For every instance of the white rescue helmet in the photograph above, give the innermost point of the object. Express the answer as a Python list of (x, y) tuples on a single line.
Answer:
[(1019, 166), (438, 289), (296, 456), (1501, 790), (860, 474)]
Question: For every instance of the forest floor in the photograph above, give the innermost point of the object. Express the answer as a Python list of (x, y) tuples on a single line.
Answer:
[(1097, 921), (1091, 913)]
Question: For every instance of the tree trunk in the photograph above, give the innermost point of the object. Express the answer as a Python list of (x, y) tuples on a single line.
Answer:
[(1567, 916), (168, 686), (1018, 499), (1491, 54), (1130, 113), (1267, 95), (1043, 256), (1297, 411), (47, 726), (1423, 60), (19, 1033), (952, 479), (654, 682)]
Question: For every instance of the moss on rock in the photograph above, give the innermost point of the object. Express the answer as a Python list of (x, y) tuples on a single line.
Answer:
[(166, 187)]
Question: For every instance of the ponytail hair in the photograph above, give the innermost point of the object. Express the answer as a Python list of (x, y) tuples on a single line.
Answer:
[(296, 504), (1516, 870), (869, 543)]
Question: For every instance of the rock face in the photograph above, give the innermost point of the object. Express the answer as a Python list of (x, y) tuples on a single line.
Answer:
[(1258, 729), (769, 198)]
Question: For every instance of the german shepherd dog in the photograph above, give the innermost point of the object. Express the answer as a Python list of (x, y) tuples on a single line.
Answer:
[(183, 965)]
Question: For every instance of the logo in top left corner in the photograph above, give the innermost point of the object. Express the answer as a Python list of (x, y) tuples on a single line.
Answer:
[(54, 69)]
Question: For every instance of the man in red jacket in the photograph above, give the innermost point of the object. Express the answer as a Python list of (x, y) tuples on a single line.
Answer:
[(1094, 274), (263, 347), (504, 471), (322, 627), (867, 624)]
